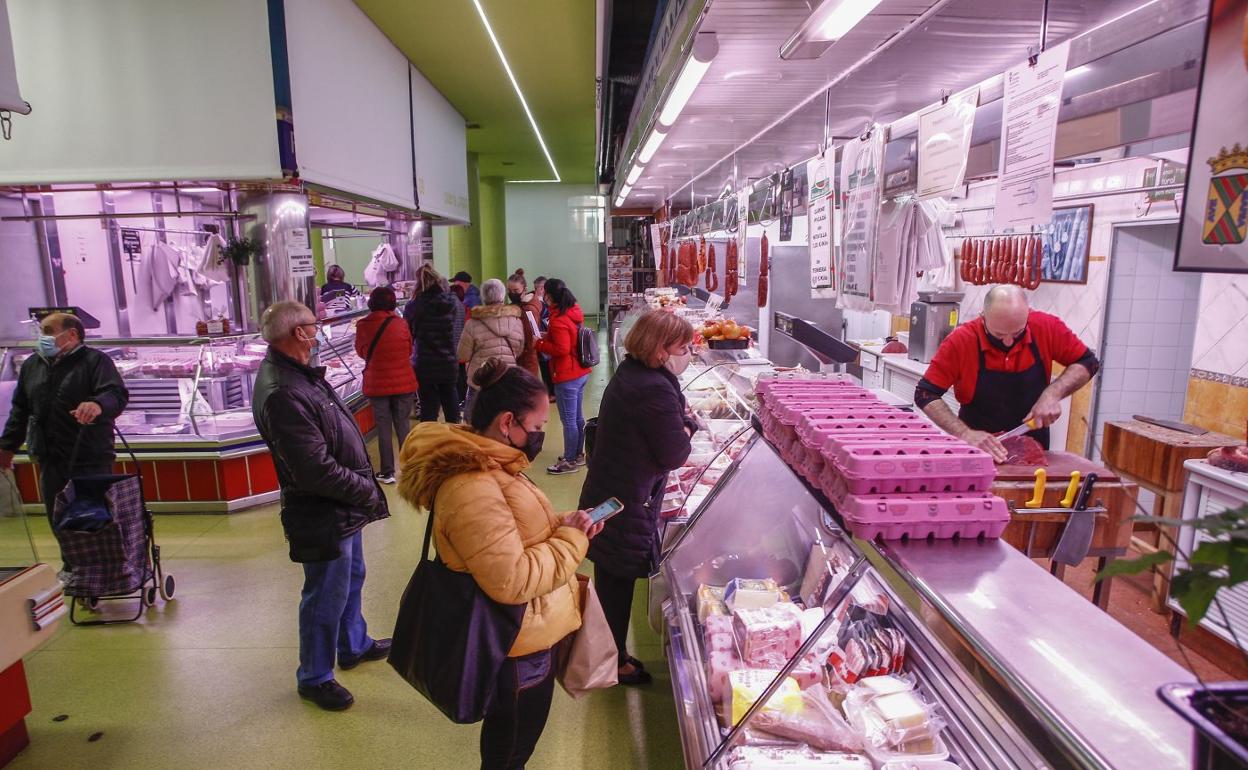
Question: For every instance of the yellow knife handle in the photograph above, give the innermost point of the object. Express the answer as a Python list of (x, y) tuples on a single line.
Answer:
[(1072, 490), (1037, 497)]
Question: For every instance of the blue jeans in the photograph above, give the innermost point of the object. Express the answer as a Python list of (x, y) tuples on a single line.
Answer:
[(569, 397), (330, 621)]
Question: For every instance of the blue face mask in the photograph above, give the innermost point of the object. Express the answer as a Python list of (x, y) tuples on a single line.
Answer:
[(47, 346)]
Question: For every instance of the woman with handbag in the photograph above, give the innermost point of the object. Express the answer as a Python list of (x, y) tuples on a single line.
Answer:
[(643, 433), (492, 522), (383, 340)]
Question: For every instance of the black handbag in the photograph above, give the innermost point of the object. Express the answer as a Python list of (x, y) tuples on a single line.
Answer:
[(450, 639), (591, 435)]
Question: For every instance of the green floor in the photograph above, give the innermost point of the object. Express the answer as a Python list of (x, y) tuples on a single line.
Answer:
[(207, 681)]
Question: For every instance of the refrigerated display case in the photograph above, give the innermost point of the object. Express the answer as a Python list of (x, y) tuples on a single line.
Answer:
[(189, 419), (1014, 669)]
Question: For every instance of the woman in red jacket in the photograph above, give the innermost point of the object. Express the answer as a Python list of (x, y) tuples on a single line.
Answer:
[(569, 376), (383, 340)]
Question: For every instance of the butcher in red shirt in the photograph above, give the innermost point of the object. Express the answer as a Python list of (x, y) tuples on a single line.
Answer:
[(1000, 366)]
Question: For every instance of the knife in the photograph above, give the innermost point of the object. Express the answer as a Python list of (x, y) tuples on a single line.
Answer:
[(1026, 427), (1076, 538)]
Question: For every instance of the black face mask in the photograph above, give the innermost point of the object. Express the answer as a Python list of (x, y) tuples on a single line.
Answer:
[(514, 297), (534, 439)]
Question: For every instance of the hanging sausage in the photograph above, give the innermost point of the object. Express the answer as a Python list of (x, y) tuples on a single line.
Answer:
[(734, 275), (712, 273), (764, 267)]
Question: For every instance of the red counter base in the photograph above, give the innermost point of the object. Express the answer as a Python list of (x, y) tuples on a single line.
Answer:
[(208, 485), (14, 706)]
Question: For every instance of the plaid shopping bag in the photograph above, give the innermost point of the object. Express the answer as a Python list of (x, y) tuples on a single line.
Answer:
[(113, 559)]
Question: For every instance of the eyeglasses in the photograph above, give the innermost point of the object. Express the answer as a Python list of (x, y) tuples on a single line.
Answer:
[(314, 324)]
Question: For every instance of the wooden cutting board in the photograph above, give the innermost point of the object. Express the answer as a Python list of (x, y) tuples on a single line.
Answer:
[(1154, 454), (1060, 466)]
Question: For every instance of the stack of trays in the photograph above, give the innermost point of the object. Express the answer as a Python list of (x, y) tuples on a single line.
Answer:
[(889, 472)]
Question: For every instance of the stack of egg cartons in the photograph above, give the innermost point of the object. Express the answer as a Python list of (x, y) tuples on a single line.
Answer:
[(889, 472)]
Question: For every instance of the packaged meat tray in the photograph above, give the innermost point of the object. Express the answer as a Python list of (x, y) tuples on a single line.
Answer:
[(790, 758)]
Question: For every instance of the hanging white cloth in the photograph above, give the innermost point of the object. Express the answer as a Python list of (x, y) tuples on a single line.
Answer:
[(163, 268), (380, 266), (212, 261), (10, 95)]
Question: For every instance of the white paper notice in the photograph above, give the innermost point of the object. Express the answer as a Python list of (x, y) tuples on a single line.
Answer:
[(743, 229), (821, 243), (300, 252), (1033, 96), (944, 140), (819, 178)]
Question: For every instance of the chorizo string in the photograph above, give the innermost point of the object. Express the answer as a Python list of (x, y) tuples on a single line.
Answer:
[(764, 267)]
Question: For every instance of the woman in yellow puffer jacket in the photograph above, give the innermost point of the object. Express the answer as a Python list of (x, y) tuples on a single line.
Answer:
[(492, 522)]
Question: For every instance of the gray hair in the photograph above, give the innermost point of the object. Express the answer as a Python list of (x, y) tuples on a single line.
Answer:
[(493, 291), (280, 319)]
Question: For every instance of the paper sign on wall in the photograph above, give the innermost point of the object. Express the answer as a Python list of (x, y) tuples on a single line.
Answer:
[(1033, 96), (821, 243), (860, 187), (944, 141), (299, 250)]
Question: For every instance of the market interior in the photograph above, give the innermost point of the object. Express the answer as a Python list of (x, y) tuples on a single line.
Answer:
[(964, 474)]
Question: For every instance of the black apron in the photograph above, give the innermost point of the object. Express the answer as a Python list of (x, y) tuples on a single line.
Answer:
[(1003, 399)]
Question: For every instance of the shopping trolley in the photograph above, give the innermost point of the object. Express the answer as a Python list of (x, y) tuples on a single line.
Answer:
[(105, 532)]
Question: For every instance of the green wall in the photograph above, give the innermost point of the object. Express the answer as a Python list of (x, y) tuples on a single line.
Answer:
[(493, 230)]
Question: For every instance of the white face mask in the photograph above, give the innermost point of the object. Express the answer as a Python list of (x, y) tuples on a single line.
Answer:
[(677, 364)]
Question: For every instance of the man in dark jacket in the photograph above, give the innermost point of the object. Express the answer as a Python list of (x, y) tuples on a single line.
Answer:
[(433, 316), (643, 433), (328, 496), (68, 396), (472, 295)]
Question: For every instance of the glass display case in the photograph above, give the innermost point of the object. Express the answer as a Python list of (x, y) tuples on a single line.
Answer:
[(163, 373), (189, 419)]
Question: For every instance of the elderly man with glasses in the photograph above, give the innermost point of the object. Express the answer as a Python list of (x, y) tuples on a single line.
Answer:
[(328, 496)]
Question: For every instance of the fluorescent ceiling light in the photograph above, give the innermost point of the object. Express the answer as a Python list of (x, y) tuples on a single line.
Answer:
[(200, 189), (623, 196), (633, 176), (1077, 71), (831, 21), (705, 46), (523, 103), (651, 146)]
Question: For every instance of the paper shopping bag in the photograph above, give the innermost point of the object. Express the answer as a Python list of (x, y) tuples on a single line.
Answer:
[(589, 661)]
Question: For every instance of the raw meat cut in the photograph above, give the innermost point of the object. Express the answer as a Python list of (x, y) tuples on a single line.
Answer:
[(1231, 458), (1024, 450)]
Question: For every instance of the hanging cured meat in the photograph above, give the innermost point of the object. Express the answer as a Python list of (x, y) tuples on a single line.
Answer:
[(764, 267), (1037, 257), (686, 264), (712, 271), (734, 275), (701, 267)]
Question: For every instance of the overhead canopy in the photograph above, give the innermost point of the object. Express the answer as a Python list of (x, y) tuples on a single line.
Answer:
[(440, 142)]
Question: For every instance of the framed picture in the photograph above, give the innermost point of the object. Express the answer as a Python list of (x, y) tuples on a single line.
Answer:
[(1213, 233), (1067, 244)]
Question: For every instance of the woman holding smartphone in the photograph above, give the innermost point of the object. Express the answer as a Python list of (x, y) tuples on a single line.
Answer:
[(490, 521), (643, 433)]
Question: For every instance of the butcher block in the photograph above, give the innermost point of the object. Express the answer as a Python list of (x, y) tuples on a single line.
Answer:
[(1154, 455), (1016, 483)]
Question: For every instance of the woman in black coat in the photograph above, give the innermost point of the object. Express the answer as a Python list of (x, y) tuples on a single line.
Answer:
[(431, 317), (643, 433)]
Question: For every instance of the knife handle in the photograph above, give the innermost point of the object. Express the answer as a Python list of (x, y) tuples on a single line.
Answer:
[(1037, 496), (1085, 492), (1071, 491)]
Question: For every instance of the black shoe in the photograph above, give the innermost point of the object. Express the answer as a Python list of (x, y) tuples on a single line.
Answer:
[(379, 650), (330, 695), (639, 676)]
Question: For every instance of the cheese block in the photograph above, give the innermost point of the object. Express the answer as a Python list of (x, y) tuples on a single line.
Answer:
[(745, 593), (885, 685), (745, 687), (710, 602), (901, 710)]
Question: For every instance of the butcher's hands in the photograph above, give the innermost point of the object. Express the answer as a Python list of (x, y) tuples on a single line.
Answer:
[(86, 412), (6, 460), (1046, 411), (987, 442), (581, 520)]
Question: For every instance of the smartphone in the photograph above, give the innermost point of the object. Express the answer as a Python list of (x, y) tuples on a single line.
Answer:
[(606, 510)]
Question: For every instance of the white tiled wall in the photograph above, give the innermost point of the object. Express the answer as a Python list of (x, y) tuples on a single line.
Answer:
[(1151, 320), (1222, 333)]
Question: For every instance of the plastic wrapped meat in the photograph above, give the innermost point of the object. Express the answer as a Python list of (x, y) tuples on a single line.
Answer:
[(786, 758), (819, 725), (768, 636), (1024, 450)]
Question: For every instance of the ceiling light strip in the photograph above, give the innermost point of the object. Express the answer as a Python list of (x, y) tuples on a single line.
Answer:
[(523, 103), (851, 70)]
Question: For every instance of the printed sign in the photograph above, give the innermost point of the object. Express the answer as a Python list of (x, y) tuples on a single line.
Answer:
[(299, 250), (821, 243), (130, 242), (944, 141)]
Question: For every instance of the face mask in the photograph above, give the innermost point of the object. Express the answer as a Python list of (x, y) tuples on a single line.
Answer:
[(534, 439), (47, 346), (678, 364), (999, 345), (514, 297)]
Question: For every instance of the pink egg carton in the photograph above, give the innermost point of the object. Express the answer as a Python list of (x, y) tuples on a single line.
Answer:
[(809, 449), (940, 530), (786, 414), (939, 515), (766, 386), (816, 426), (910, 464)]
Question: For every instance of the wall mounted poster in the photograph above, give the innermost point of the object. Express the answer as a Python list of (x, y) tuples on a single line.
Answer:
[(1067, 244), (944, 140), (861, 163), (1213, 236)]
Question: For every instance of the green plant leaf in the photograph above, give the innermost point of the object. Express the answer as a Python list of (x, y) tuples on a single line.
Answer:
[(1195, 590), (1237, 562), (1217, 553), (1119, 567)]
